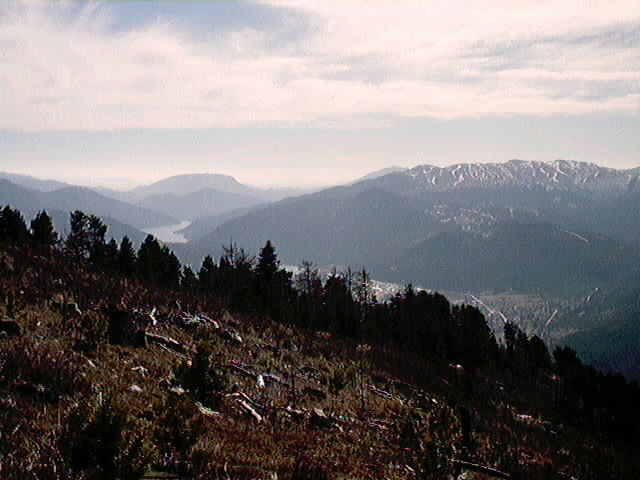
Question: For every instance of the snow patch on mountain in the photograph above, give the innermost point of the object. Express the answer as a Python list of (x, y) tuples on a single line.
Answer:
[(565, 175)]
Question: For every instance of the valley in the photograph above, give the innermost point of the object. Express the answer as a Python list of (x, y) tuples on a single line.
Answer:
[(523, 241)]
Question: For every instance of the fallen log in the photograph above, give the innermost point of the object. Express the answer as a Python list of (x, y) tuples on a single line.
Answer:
[(474, 467), (249, 410), (166, 342), (242, 369)]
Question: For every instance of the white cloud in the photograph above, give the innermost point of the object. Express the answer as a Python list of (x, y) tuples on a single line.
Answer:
[(63, 66)]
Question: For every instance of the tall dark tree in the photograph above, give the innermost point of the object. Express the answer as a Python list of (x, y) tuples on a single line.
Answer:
[(207, 276), (171, 273), (13, 228), (77, 242), (43, 235), (341, 312), (236, 277), (96, 231), (476, 346), (267, 265), (189, 279), (149, 261), (158, 265), (273, 285), (126, 257), (110, 253)]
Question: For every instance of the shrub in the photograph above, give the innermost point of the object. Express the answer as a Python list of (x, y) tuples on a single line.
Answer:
[(92, 331), (178, 429), (105, 443), (204, 377), (340, 378)]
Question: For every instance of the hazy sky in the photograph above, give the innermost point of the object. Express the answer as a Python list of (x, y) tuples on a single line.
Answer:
[(313, 92)]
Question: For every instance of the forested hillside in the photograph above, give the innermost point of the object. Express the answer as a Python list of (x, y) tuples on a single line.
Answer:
[(116, 361)]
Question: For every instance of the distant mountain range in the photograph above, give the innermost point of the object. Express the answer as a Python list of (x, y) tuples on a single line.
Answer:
[(69, 198), (557, 226), (188, 197), (525, 226), (559, 175), (33, 183)]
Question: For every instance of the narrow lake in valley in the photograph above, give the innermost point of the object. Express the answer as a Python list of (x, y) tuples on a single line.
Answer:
[(168, 233)]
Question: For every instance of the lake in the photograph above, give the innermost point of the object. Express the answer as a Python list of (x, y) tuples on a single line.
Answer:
[(168, 233)]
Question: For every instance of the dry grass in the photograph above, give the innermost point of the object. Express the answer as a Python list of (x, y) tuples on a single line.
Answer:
[(56, 380)]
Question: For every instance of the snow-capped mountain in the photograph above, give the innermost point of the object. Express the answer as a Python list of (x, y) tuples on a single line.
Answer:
[(562, 175)]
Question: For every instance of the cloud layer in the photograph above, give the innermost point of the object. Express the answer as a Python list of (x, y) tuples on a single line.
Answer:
[(63, 66)]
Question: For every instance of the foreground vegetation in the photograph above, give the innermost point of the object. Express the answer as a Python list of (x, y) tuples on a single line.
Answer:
[(116, 362)]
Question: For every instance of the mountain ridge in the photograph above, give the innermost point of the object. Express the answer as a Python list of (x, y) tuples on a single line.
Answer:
[(79, 198)]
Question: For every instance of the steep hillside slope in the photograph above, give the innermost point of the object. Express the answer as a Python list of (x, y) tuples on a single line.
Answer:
[(134, 379)]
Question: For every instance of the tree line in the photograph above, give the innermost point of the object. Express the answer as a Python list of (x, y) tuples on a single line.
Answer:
[(344, 303)]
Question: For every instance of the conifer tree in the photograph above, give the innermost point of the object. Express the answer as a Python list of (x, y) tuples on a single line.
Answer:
[(13, 228), (207, 275), (96, 231), (171, 269), (43, 234), (189, 279), (267, 265), (126, 257), (77, 242), (110, 256), (149, 260)]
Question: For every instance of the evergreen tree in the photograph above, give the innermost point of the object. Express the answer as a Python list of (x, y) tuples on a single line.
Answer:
[(341, 313), (267, 265), (236, 279), (110, 256), (13, 228), (475, 345), (149, 260), (207, 275), (189, 279), (96, 231), (77, 242), (158, 265), (126, 257), (171, 269), (43, 234)]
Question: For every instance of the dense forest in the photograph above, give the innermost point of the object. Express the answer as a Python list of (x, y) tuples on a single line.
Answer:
[(441, 392)]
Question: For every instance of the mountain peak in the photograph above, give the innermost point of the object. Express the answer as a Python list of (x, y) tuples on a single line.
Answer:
[(566, 175), (190, 183)]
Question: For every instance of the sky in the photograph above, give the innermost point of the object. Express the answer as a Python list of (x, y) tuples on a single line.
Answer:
[(308, 93)]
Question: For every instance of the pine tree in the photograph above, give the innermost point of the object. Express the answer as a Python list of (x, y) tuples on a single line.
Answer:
[(110, 256), (96, 231), (171, 269), (43, 234), (207, 275), (126, 257), (268, 264), (13, 228), (77, 242), (189, 279), (149, 260)]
